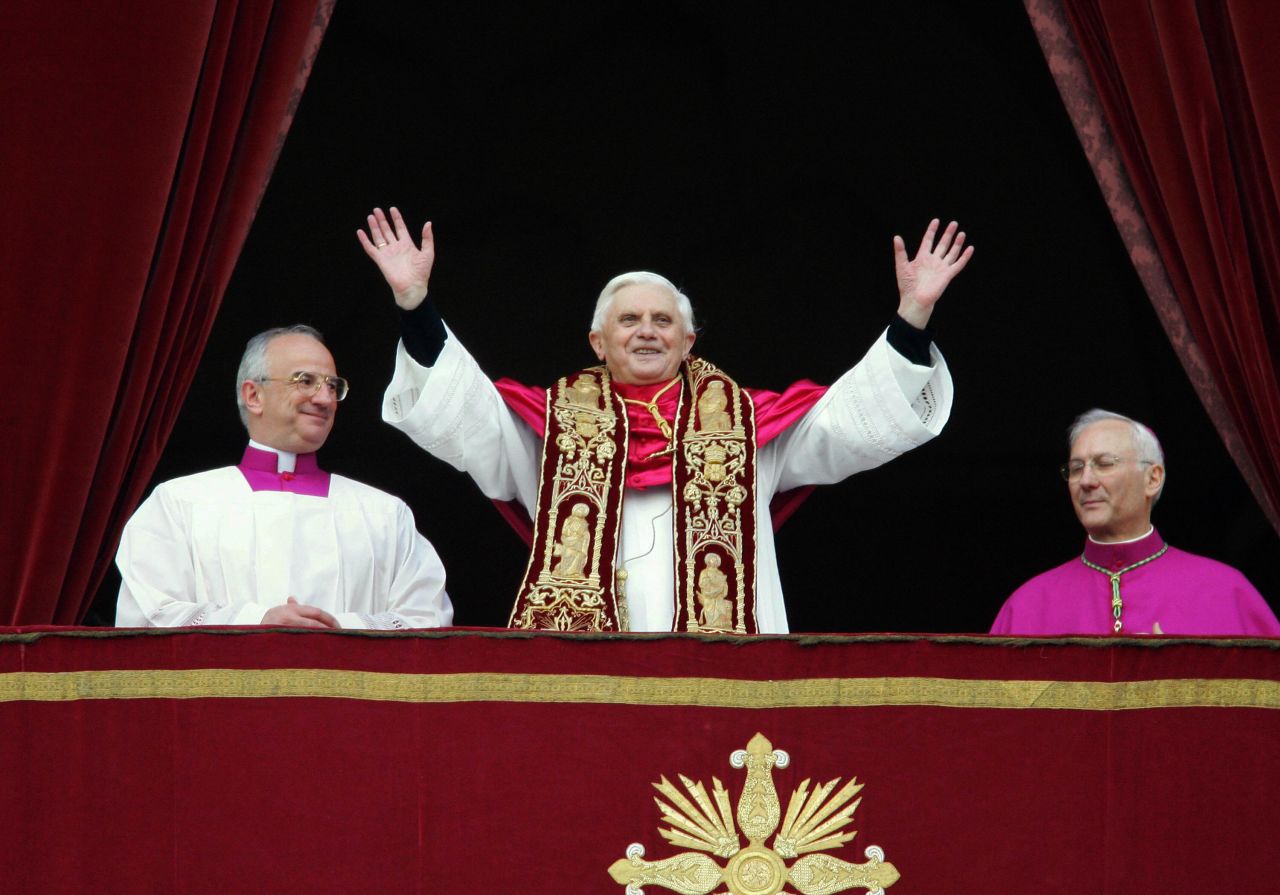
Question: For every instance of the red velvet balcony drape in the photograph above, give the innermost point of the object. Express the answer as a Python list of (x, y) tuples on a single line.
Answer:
[(137, 142), (1177, 104), (213, 761)]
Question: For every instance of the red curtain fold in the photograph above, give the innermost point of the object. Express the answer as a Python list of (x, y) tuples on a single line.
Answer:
[(1177, 105), (134, 158)]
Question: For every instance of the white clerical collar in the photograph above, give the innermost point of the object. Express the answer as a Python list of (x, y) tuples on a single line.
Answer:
[(1145, 534), (285, 461)]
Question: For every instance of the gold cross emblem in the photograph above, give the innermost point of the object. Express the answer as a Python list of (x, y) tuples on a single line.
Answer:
[(815, 822)]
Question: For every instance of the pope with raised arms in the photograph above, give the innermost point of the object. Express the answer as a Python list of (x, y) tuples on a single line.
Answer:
[(656, 465)]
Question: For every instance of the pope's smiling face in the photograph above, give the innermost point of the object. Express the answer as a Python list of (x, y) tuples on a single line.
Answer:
[(645, 338), (282, 415)]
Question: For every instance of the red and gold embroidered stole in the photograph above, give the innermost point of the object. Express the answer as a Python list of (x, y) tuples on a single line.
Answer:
[(570, 583)]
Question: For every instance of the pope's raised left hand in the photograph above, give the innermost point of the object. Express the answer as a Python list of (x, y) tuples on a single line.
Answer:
[(923, 279)]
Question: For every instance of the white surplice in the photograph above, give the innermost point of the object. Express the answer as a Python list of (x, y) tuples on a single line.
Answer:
[(876, 411), (206, 549)]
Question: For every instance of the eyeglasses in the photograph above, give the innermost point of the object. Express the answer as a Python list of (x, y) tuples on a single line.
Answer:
[(310, 383), (1103, 464)]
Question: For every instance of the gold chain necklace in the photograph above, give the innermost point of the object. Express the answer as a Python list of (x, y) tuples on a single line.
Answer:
[(652, 406), (1117, 605)]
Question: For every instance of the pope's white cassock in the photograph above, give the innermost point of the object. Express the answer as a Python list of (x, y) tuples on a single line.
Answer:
[(878, 410), (207, 549)]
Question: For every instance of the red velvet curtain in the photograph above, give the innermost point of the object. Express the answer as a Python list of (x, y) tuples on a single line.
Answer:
[(138, 140), (1177, 104)]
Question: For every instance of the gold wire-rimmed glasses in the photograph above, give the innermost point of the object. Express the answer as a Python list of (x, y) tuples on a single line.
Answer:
[(1102, 465), (310, 383)]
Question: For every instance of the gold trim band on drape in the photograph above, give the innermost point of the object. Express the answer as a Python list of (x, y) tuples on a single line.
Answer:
[(225, 683)]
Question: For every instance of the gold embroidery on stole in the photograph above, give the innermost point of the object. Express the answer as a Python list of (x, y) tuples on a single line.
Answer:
[(714, 480), (570, 583)]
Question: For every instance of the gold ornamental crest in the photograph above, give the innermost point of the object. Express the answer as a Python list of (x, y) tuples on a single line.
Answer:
[(815, 822)]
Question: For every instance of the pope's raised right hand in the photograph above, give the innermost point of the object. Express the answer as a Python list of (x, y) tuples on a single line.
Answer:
[(405, 266)]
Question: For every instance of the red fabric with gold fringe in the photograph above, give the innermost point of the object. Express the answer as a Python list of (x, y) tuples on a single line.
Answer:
[(587, 460)]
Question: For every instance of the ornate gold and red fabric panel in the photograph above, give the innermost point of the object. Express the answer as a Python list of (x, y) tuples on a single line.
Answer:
[(569, 583), (458, 761), (714, 483)]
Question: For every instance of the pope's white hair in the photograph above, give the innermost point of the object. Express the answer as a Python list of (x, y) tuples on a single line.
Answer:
[(641, 278), (1145, 444), (253, 363)]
